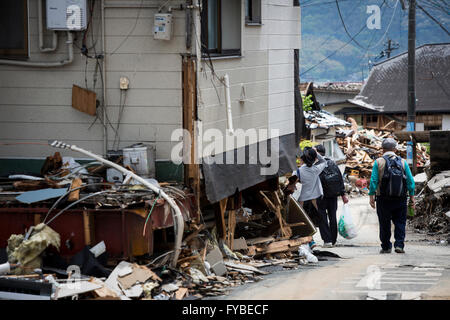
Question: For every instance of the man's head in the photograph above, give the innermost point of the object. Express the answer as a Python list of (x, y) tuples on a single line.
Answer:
[(389, 144), (320, 149)]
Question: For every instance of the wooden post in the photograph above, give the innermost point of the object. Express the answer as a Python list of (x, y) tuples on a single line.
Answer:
[(88, 224), (231, 227), (219, 211), (191, 169), (37, 219)]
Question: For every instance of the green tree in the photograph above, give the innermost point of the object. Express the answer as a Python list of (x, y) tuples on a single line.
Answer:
[(307, 102)]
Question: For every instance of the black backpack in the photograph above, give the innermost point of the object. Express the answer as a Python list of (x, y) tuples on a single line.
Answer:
[(331, 179), (393, 182)]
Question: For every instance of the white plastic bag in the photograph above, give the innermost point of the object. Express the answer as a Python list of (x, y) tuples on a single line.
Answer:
[(346, 226), (305, 251)]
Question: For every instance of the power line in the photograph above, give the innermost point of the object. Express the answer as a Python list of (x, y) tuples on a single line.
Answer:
[(345, 27), (331, 35), (432, 18), (332, 54)]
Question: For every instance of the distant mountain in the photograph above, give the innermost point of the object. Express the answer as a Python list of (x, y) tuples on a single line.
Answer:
[(323, 35)]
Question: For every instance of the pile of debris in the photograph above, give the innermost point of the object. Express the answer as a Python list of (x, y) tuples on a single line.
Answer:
[(363, 146), (322, 119), (433, 203), (219, 249)]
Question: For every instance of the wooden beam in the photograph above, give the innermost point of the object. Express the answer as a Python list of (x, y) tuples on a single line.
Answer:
[(219, 212), (88, 224)]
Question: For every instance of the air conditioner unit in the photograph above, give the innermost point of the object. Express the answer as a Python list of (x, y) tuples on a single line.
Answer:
[(66, 15)]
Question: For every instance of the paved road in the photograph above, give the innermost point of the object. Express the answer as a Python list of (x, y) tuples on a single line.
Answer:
[(423, 272)]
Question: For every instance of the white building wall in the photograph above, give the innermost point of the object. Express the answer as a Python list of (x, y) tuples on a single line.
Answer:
[(35, 103), (265, 71)]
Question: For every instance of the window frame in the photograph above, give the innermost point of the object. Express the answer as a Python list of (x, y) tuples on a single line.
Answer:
[(22, 53), (219, 51), (250, 20)]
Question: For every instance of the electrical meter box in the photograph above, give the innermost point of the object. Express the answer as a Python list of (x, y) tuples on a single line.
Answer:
[(66, 15), (163, 26), (141, 158)]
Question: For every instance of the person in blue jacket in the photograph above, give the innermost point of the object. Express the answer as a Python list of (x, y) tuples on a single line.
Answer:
[(391, 208)]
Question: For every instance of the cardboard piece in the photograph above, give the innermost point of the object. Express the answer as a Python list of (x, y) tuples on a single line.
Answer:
[(240, 244), (139, 274), (84, 100)]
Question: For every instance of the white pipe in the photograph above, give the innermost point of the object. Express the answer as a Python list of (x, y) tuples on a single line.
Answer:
[(45, 64), (41, 33), (5, 268), (178, 221), (228, 102)]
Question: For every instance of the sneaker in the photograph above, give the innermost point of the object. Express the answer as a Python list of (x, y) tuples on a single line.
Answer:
[(385, 251), (399, 250), (327, 245), (312, 245)]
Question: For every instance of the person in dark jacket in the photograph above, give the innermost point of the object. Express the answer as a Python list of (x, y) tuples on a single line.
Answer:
[(333, 187)]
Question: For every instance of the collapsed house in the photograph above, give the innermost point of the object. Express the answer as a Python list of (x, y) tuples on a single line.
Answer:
[(166, 76)]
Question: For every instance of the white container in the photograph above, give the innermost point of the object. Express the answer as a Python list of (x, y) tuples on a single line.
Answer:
[(162, 29), (141, 159), (114, 175)]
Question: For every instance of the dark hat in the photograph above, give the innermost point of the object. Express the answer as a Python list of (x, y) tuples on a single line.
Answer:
[(389, 144)]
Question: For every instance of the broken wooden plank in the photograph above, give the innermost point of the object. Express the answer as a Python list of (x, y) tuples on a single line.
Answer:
[(245, 267)]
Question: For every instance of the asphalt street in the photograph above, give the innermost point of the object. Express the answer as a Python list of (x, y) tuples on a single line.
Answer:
[(422, 272)]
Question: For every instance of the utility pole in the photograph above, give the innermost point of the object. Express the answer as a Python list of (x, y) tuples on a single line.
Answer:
[(411, 114), (391, 46)]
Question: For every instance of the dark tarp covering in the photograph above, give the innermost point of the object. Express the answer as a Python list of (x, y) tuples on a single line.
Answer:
[(223, 180)]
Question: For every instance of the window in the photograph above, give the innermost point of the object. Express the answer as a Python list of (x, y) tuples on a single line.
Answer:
[(253, 12), (221, 27), (14, 29)]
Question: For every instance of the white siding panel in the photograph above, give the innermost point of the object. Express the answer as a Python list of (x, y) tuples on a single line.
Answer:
[(281, 100), (284, 41), (67, 114), (281, 56), (282, 13), (281, 85), (277, 71)]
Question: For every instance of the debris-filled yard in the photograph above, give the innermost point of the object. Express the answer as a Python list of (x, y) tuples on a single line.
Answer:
[(90, 238)]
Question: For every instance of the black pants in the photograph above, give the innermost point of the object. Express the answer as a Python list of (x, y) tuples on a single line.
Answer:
[(327, 219), (392, 210)]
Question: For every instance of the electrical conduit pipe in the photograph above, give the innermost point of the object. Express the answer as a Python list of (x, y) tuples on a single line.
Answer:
[(178, 221)]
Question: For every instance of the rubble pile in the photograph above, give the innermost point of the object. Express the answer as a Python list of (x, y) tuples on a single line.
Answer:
[(264, 231), (322, 119), (363, 146), (432, 203)]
